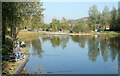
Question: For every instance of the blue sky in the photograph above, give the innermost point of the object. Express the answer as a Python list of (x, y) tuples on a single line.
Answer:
[(71, 10)]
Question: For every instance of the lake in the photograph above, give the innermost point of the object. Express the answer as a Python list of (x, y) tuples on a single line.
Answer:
[(64, 54)]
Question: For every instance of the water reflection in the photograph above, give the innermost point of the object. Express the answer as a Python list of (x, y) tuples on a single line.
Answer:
[(97, 51), (109, 47), (93, 48), (57, 40), (36, 46), (81, 40)]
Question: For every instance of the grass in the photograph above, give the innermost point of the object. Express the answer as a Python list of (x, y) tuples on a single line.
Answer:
[(107, 32), (28, 36), (27, 51), (14, 64), (110, 32), (11, 68), (5, 73)]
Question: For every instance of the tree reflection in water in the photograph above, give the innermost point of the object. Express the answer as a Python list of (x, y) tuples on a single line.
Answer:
[(36, 47), (107, 46), (57, 40), (93, 49), (81, 40)]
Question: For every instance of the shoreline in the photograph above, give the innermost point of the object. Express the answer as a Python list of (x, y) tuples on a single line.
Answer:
[(21, 64), (91, 33), (13, 67)]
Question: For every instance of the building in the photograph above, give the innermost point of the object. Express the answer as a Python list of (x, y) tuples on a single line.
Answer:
[(107, 27), (98, 27)]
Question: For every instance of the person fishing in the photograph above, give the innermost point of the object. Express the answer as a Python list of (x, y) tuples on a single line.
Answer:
[(17, 53), (23, 44)]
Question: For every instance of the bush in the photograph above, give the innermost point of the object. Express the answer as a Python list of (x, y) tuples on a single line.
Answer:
[(76, 29), (7, 47), (5, 73), (80, 27)]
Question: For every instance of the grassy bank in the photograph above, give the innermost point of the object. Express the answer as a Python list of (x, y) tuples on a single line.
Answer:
[(28, 36), (10, 67), (110, 32), (82, 33)]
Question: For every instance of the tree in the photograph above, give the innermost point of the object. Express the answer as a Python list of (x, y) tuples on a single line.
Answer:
[(93, 15), (106, 16), (114, 17), (64, 24), (100, 18), (11, 18), (119, 17), (37, 15), (80, 27), (55, 24), (45, 27), (17, 14)]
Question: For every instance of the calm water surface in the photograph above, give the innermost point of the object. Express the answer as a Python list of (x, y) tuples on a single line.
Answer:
[(62, 54)]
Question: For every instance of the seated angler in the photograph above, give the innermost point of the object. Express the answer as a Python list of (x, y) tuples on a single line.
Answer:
[(17, 53), (23, 44)]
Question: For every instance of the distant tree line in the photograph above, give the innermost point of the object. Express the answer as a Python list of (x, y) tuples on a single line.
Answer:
[(86, 24), (66, 25), (56, 25), (106, 17)]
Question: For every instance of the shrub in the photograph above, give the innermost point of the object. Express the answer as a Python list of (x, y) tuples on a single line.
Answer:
[(80, 27)]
